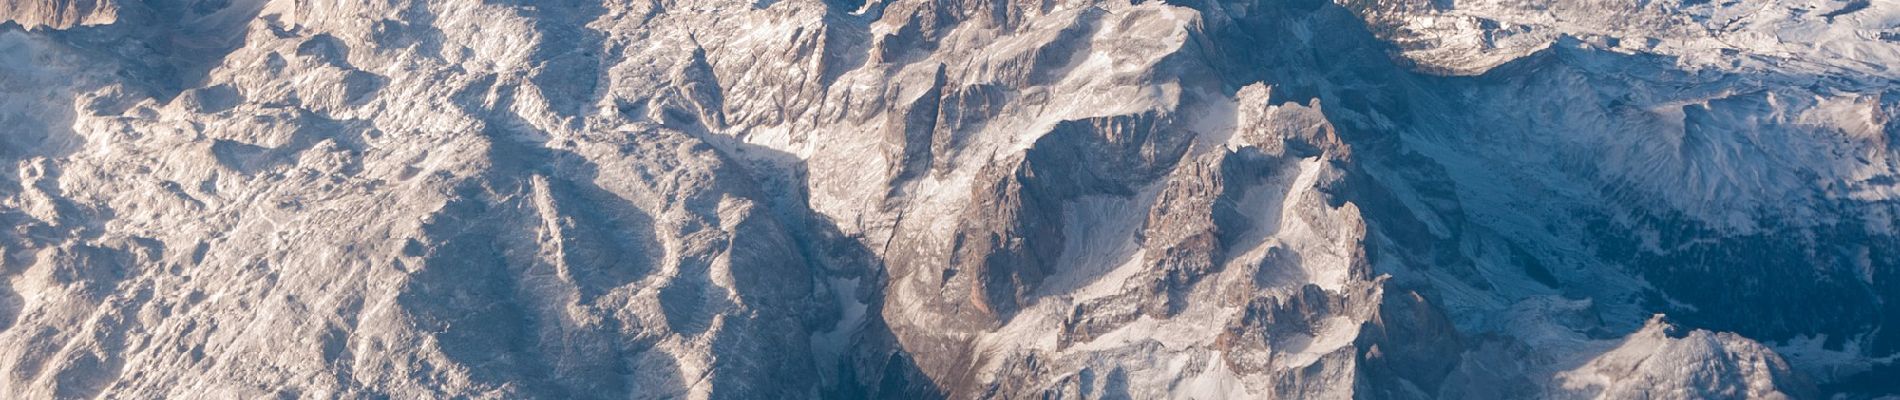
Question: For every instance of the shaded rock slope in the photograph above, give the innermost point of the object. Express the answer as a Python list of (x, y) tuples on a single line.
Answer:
[(1382, 199)]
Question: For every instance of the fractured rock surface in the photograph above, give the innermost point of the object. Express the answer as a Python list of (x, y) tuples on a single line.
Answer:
[(948, 199)]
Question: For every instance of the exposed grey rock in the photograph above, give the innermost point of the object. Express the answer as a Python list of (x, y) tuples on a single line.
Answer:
[(947, 199)]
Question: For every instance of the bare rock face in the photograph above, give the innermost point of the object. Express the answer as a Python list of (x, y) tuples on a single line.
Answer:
[(948, 199), (59, 14)]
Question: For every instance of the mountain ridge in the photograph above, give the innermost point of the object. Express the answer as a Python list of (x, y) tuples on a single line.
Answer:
[(957, 199)]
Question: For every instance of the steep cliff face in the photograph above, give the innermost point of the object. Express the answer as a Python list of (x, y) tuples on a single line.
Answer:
[(947, 199)]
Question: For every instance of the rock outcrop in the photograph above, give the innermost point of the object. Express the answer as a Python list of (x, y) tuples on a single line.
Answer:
[(59, 14)]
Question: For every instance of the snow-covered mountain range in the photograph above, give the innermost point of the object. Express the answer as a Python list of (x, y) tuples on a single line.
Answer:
[(1678, 199)]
